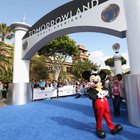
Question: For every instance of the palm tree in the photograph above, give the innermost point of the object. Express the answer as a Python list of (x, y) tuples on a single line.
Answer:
[(6, 50), (6, 62), (5, 32), (3, 60)]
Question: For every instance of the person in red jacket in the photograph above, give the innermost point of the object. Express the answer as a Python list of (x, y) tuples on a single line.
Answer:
[(116, 92), (100, 103)]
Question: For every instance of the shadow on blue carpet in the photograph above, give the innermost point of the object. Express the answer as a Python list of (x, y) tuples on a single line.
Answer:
[(64, 118)]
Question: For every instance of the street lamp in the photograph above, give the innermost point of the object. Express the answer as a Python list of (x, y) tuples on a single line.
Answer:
[(116, 47), (117, 59)]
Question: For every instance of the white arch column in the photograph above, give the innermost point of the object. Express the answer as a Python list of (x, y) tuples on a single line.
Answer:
[(132, 9), (132, 84), (19, 90), (117, 63), (20, 67)]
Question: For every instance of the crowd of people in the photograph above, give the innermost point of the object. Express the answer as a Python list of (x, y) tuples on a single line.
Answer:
[(114, 85), (43, 83), (46, 83)]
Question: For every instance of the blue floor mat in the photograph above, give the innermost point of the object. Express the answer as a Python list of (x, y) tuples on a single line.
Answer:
[(64, 118)]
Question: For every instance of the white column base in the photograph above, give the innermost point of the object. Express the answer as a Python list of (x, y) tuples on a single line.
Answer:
[(132, 90), (19, 93)]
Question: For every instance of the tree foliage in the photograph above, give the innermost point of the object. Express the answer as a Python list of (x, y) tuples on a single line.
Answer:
[(110, 62), (5, 32), (38, 67), (81, 66), (108, 72), (6, 53), (58, 51)]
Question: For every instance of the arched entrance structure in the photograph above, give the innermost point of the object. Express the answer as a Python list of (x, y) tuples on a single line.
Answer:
[(72, 17), (76, 16)]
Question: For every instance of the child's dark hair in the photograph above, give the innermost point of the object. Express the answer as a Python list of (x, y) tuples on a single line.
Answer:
[(119, 77)]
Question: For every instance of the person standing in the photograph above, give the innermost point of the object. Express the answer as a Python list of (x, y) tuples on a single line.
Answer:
[(77, 90), (116, 92), (41, 84)]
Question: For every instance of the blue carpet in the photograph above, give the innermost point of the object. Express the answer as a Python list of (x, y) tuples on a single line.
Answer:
[(59, 119)]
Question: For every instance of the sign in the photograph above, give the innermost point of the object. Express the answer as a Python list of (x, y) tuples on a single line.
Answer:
[(58, 16), (48, 92), (51, 92), (66, 90), (72, 17)]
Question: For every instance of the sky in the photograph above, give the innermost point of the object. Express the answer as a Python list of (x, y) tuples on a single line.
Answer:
[(99, 45)]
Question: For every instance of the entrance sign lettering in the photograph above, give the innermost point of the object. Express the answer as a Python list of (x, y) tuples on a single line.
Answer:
[(72, 17), (76, 11)]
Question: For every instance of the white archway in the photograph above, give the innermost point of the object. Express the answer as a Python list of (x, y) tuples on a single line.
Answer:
[(80, 16), (76, 16)]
